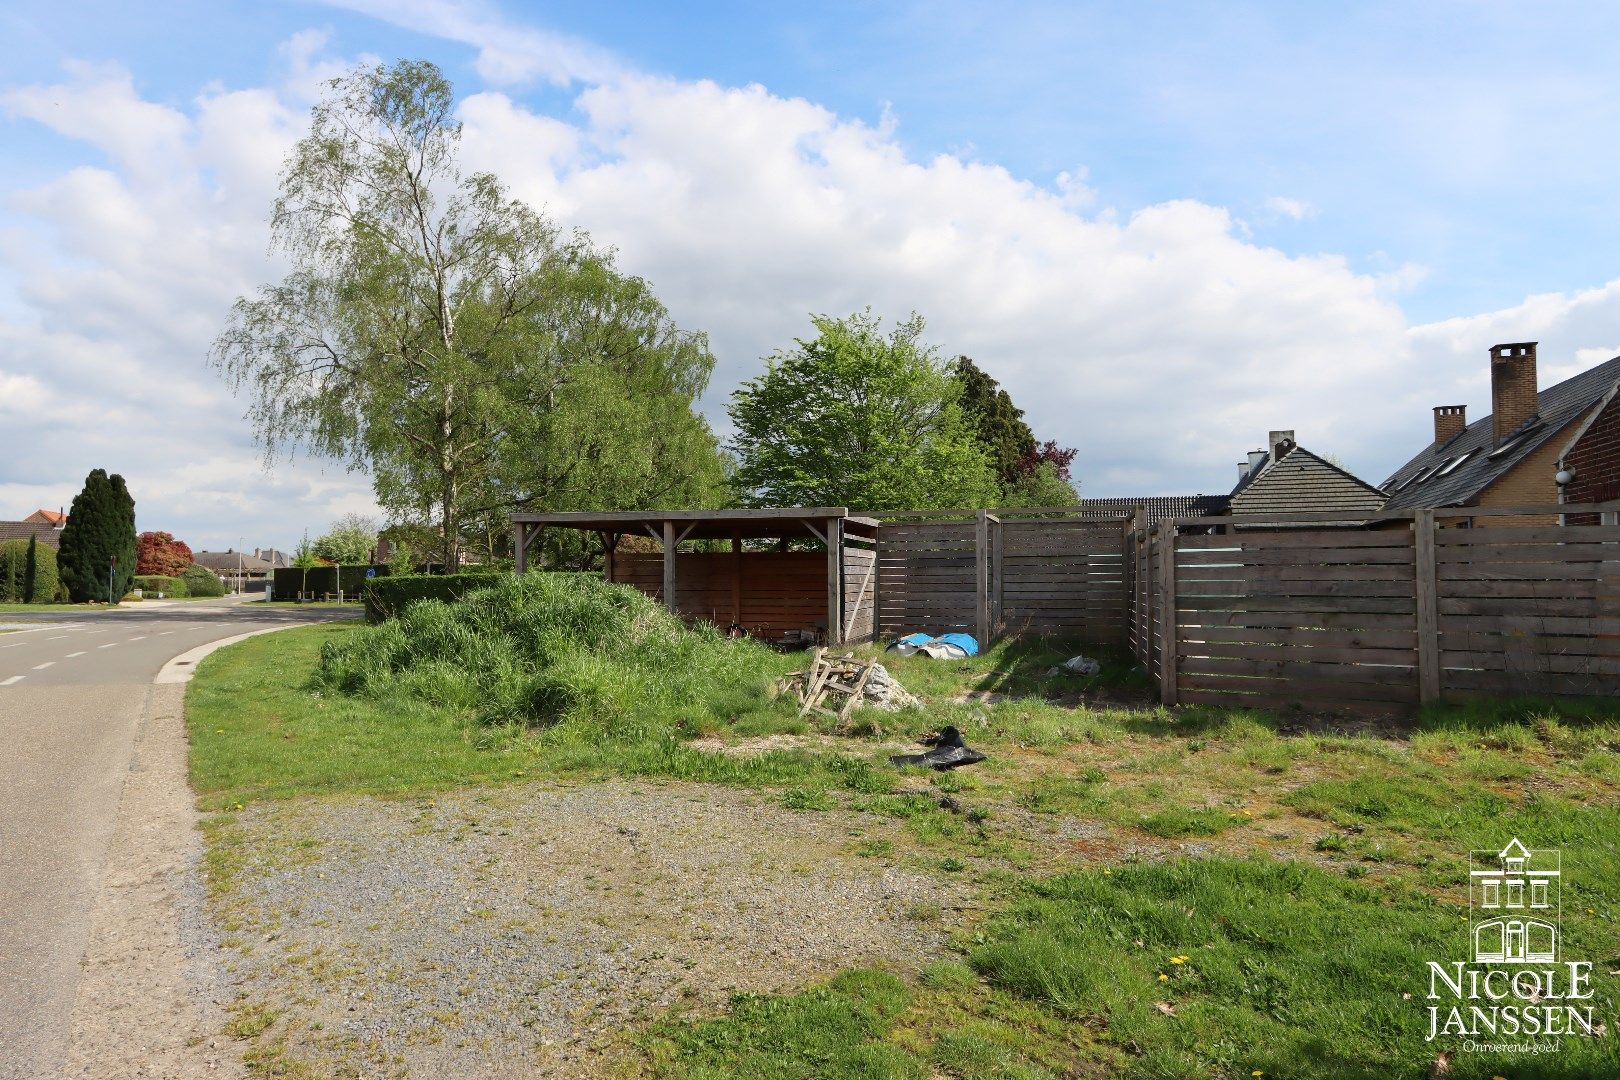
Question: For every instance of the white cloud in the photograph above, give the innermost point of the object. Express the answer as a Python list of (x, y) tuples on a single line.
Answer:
[(1161, 341), (1292, 209), (508, 54)]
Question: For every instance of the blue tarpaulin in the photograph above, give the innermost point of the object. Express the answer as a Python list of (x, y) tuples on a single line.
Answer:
[(943, 647)]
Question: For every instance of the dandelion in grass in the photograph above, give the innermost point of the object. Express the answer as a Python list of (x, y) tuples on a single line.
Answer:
[(1163, 977)]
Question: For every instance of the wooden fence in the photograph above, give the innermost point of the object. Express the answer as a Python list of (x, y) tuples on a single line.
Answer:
[(1382, 617), (998, 573)]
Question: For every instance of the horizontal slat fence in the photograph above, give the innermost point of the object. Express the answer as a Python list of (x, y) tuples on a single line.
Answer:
[(860, 592), (768, 592), (926, 578), (1063, 577), (1529, 610), (1046, 576), (1290, 619)]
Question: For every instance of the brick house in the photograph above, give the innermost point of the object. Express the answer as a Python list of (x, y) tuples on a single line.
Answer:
[(1538, 447), (48, 517), (1285, 478)]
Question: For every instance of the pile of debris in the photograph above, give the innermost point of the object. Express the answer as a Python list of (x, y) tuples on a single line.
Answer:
[(846, 683)]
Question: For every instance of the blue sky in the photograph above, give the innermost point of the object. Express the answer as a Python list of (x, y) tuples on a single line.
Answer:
[(1283, 207)]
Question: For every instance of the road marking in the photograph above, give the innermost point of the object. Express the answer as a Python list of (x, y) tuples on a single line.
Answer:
[(103, 630), (46, 664), (141, 637), (71, 655), (109, 645), (58, 637), (166, 633), (13, 679)]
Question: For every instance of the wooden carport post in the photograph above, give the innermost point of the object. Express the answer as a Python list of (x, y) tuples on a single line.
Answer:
[(670, 544), (835, 581), (520, 546)]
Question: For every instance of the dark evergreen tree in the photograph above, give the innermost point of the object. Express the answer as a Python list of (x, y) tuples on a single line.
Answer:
[(100, 529), (990, 411)]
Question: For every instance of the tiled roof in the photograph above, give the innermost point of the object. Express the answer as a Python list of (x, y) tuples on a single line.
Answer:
[(1301, 482), (1158, 507), (50, 517), (1473, 465), (22, 530), (231, 560)]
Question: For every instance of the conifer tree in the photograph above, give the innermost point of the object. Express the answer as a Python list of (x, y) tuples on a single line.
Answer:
[(100, 529)]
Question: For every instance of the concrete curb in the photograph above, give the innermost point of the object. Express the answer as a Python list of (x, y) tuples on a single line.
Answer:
[(180, 669)]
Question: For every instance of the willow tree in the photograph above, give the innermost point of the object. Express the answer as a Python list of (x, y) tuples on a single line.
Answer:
[(430, 321)]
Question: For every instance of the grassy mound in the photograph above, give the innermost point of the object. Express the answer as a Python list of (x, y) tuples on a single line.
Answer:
[(544, 649)]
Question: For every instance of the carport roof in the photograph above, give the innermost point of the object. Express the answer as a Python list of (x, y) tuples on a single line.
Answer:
[(772, 523)]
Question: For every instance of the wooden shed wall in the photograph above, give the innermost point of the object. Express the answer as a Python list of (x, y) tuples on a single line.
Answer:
[(772, 591)]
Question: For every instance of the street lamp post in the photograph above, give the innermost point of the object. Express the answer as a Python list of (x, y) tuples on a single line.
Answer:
[(112, 573)]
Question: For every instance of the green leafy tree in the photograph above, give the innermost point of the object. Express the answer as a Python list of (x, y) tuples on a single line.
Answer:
[(1044, 485), (100, 529), (998, 423), (855, 418), (459, 345), (349, 542)]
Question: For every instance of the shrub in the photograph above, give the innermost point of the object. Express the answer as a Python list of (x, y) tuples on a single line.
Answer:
[(100, 529), (27, 572), (386, 597), (553, 648), (201, 581), (158, 583), (159, 554), (288, 581)]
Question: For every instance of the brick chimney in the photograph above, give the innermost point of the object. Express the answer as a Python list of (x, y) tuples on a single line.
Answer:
[(1513, 388), (1449, 422)]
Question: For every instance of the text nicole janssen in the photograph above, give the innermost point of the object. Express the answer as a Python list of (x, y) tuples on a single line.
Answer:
[(1502, 1001)]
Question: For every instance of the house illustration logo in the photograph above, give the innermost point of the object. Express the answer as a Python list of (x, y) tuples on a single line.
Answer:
[(1515, 900), (1514, 994)]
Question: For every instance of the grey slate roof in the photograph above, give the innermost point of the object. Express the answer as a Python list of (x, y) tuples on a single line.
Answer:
[(1298, 481), (22, 530), (1557, 407)]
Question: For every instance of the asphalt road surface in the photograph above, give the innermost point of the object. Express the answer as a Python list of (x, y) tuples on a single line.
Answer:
[(73, 691)]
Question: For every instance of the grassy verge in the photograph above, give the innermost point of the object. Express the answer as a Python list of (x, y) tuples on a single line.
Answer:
[(1179, 892), (7, 607)]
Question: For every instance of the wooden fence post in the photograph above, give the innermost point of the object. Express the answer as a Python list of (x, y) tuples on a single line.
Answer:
[(520, 546), (998, 539), (1428, 607), (981, 577), (1167, 613)]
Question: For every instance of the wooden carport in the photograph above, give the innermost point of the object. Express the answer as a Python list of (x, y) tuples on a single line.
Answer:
[(766, 592)]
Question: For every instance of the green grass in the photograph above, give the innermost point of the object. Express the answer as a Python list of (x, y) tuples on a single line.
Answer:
[(53, 607), (263, 727), (1335, 862)]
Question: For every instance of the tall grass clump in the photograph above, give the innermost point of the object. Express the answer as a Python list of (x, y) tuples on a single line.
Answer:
[(552, 649)]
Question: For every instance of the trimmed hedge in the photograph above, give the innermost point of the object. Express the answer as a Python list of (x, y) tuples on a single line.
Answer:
[(288, 581), (387, 597), (158, 583), (28, 572), (201, 581)]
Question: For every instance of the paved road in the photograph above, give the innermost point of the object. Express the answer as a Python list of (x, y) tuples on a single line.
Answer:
[(73, 692)]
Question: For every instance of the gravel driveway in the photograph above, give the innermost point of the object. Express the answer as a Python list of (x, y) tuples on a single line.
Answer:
[(516, 931)]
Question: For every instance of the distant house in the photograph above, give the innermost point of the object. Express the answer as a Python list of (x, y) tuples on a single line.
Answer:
[(1538, 447), (273, 556), (48, 517), (247, 573), (1285, 478), (21, 530)]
